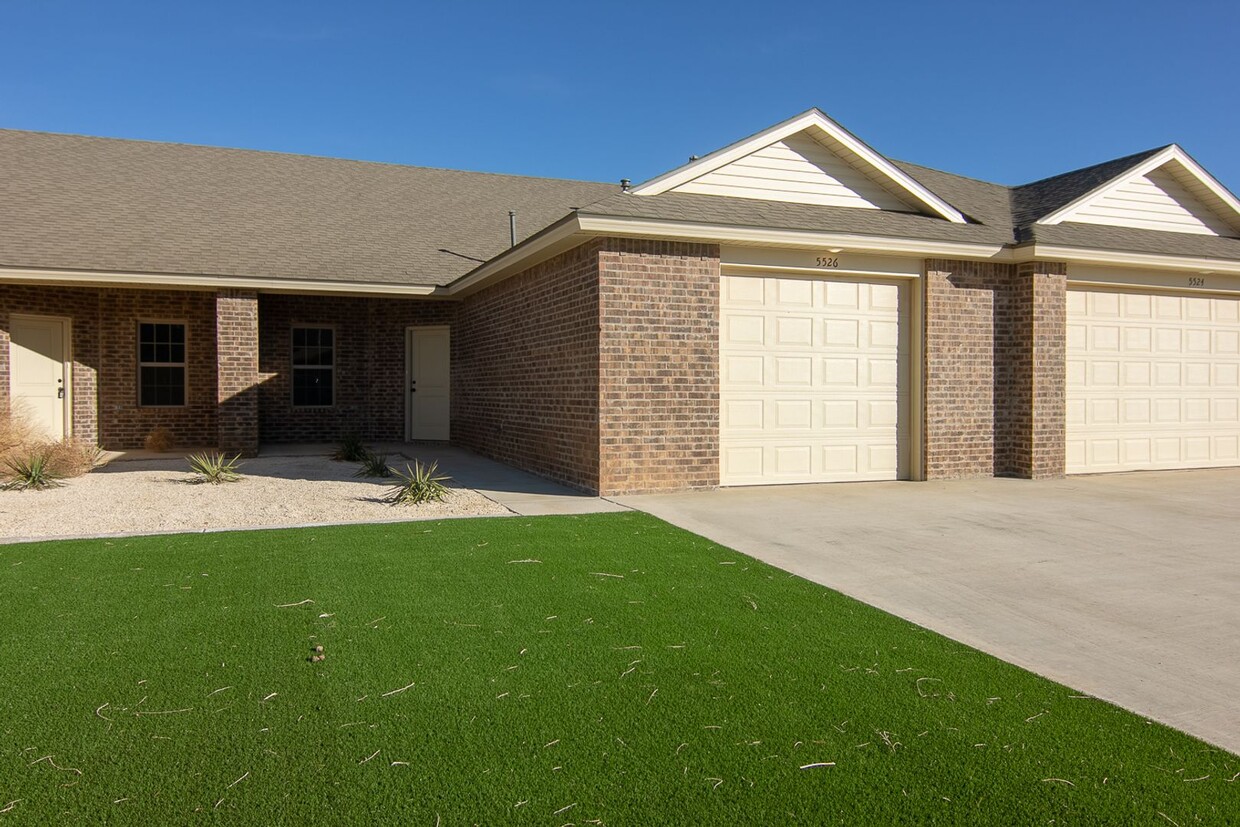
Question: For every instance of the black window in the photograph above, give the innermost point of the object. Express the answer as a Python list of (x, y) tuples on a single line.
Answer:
[(314, 364), (161, 364)]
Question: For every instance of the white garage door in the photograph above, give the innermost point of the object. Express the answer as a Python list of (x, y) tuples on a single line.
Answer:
[(811, 380), (1153, 381)]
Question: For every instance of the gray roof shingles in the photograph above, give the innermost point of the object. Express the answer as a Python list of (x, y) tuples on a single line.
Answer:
[(80, 203), (72, 202)]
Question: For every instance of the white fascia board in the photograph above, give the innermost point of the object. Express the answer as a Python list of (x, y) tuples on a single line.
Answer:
[(1171, 153), (196, 282), (814, 117), (1114, 258), (722, 233)]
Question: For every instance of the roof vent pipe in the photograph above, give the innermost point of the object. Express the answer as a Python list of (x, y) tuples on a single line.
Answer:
[(625, 184), (512, 228)]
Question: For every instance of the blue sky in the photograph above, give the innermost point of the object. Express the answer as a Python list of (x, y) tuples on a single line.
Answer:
[(1008, 92)]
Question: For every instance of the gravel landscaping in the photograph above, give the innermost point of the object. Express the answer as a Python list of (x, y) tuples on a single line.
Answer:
[(151, 496)]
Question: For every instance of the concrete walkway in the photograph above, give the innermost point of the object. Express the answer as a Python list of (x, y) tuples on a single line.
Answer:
[(518, 491), (1124, 586)]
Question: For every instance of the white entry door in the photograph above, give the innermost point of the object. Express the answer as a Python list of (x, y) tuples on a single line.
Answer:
[(428, 359), (38, 383), (813, 380)]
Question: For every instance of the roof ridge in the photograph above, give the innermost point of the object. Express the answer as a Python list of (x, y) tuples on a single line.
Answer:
[(303, 155), (1135, 158)]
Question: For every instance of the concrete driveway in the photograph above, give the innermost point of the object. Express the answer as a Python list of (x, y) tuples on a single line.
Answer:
[(1125, 586)]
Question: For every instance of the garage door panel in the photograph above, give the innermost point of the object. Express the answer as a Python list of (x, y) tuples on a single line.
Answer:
[(1153, 381), (818, 399)]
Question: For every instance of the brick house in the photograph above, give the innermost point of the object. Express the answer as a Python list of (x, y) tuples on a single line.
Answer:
[(794, 307)]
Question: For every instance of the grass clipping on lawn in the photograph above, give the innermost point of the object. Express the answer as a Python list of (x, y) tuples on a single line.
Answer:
[(603, 669)]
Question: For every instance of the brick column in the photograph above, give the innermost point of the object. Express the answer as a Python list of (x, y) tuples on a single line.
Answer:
[(962, 376), (658, 366), (236, 343), (1042, 287)]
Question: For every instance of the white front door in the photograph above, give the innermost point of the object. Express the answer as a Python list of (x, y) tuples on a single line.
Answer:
[(428, 361), (38, 382)]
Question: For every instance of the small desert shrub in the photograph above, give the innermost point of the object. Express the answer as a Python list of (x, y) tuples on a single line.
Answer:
[(419, 484), (71, 458), (374, 465), (351, 449), (17, 433), (30, 472), (23, 447), (159, 440), (214, 467)]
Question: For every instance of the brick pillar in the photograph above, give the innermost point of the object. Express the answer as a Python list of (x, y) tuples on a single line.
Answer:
[(236, 343), (1043, 286), (658, 366)]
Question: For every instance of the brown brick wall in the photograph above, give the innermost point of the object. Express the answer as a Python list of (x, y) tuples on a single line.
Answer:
[(1046, 287), (105, 354), (525, 369), (370, 364), (658, 365), (964, 301), (236, 336), (122, 422), (993, 369), (82, 306)]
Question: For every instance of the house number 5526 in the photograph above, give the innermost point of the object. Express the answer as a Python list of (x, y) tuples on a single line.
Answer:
[(828, 261)]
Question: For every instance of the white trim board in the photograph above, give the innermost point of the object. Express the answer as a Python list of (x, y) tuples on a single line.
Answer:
[(868, 161)]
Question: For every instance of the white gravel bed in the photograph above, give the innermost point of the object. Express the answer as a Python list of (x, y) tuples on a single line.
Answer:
[(153, 496)]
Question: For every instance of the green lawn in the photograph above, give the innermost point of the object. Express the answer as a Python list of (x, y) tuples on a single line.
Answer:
[(606, 669)]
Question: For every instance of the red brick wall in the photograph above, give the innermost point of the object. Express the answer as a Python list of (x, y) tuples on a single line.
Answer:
[(525, 369), (82, 306), (370, 364), (658, 366)]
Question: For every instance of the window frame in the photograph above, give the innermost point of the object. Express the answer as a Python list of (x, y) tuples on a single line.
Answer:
[(294, 367), (184, 365)]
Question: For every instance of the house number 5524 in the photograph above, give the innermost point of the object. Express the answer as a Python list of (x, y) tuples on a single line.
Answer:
[(828, 261), (1195, 281)]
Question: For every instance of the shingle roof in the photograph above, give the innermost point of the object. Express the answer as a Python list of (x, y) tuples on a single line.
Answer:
[(1041, 198), (73, 202)]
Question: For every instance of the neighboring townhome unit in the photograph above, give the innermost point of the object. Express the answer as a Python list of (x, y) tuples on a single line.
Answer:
[(792, 308)]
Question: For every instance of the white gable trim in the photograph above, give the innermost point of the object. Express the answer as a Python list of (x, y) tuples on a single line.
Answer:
[(1169, 155), (813, 118)]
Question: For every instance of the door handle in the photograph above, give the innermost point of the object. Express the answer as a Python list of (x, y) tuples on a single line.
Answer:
[(60, 393)]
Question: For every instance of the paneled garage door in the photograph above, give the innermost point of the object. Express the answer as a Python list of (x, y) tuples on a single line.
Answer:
[(811, 380), (1153, 381)]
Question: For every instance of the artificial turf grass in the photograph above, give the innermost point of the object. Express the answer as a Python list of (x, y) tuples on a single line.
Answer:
[(635, 673)]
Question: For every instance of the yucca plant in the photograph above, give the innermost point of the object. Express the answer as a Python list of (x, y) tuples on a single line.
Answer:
[(214, 467), (351, 449), (374, 465), (418, 484), (32, 472)]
